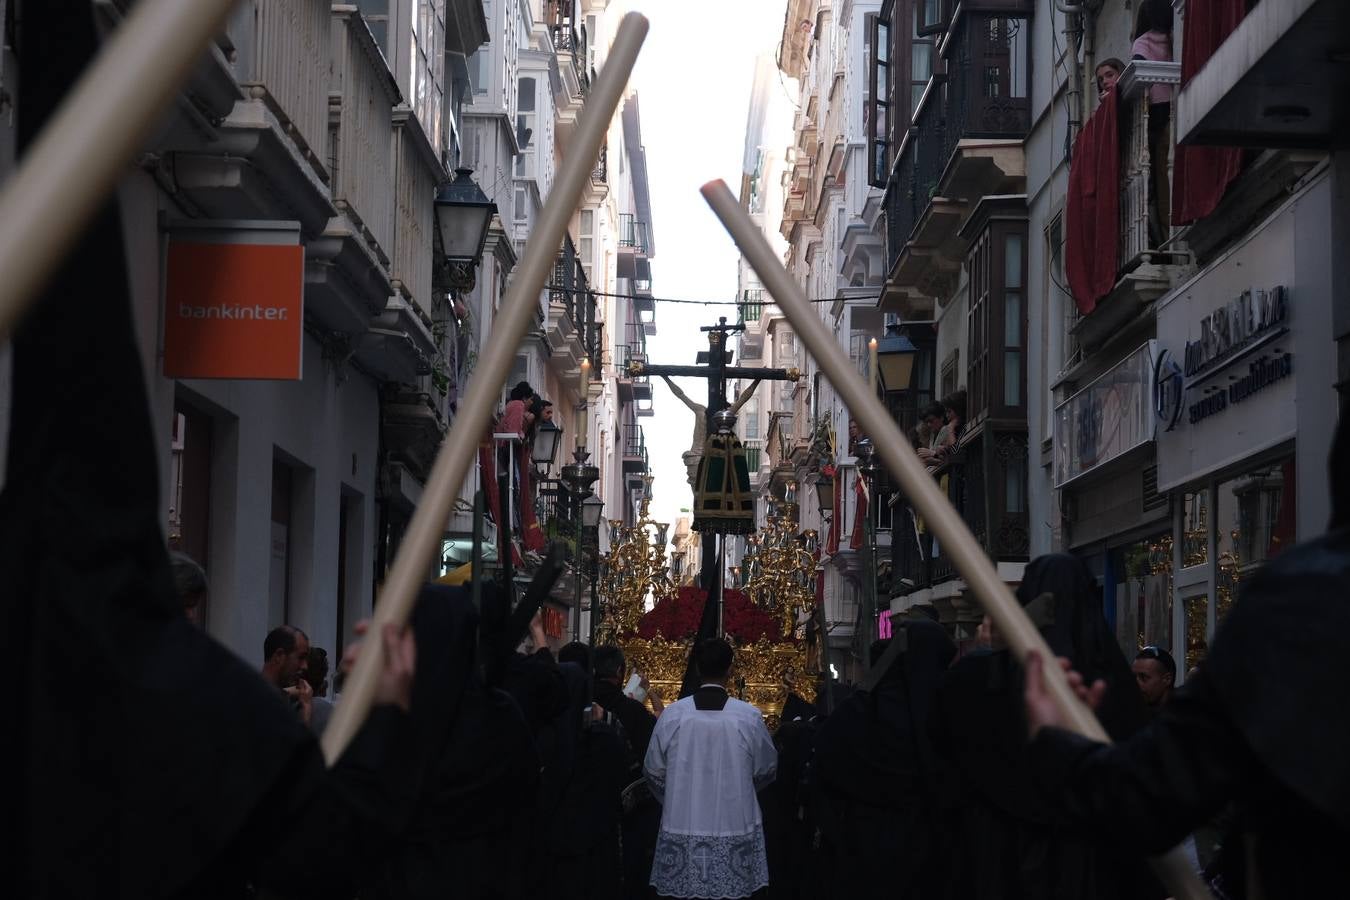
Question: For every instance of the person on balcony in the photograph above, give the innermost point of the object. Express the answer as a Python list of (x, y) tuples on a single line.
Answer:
[(1153, 42), (1108, 73)]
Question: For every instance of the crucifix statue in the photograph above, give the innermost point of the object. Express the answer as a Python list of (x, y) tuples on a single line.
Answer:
[(713, 367), (695, 452)]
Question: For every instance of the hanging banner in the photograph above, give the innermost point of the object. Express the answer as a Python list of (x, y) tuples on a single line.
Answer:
[(234, 310)]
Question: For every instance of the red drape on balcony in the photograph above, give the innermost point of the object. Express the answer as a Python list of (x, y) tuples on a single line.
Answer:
[(860, 515), (1092, 226), (1200, 175), (531, 535)]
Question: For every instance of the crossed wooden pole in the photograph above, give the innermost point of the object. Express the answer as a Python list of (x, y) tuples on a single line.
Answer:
[(923, 492), (121, 96)]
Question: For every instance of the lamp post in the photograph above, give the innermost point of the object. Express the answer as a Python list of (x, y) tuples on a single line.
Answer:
[(579, 477), (592, 510), (895, 359), (463, 214), (824, 494), (544, 450), (867, 469)]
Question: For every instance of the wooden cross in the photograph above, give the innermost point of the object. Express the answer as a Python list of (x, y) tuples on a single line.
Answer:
[(712, 365)]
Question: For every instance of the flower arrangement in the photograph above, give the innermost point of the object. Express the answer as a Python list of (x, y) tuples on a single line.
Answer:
[(677, 618)]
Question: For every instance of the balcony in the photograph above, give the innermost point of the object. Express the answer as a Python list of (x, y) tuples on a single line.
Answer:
[(571, 310), (996, 514), (633, 389), (965, 143), (633, 234), (1145, 270), (1279, 80), (412, 428), (417, 172), (752, 305), (594, 190), (574, 81), (634, 449)]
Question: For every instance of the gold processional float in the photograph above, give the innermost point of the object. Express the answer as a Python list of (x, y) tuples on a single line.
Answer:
[(766, 618)]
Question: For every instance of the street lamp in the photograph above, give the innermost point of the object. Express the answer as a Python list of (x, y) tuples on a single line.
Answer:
[(463, 213), (578, 476), (868, 469), (824, 493), (547, 437), (591, 510), (895, 359)]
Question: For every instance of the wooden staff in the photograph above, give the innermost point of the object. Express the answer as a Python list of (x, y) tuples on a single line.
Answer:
[(460, 446), (72, 167), (923, 492)]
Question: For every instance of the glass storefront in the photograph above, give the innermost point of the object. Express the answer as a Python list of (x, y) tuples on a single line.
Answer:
[(1229, 529)]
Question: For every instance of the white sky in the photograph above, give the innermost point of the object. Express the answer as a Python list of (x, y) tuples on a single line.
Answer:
[(693, 78)]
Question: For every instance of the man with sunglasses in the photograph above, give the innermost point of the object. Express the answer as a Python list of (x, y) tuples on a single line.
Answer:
[(1155, 671)]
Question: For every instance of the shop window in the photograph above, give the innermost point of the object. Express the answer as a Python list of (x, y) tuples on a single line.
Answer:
[(1195, 529), (1196, 608), (1139, 585), (1255, 517)]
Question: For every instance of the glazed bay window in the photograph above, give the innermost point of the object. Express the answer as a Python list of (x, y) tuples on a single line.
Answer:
[(996, 348), (586, 241), (426, 74), (525, 125), (878, 98), (931, 16)]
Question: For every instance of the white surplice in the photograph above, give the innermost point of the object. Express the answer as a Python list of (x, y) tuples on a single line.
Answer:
[(705, 766)]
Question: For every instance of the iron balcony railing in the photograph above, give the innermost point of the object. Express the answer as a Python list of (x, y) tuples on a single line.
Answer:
[(632, 232), (752, 305), (982, 94), (915, 562), (600, 174)]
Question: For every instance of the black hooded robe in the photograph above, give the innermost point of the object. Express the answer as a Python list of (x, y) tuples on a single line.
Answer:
[(878, 784), (150, 761), (1260, 724), (1009, 843)]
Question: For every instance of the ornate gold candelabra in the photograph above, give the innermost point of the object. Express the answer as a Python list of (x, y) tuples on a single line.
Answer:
[(780, 569), (634, 569)]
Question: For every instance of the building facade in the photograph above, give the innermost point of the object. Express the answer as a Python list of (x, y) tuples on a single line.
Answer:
[(329, 128)]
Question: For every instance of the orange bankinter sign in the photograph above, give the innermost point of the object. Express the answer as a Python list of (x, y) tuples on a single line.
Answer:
[(234, 311)]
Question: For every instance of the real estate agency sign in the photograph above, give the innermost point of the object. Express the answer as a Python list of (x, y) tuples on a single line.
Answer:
[(234, 304), (1224, 375)]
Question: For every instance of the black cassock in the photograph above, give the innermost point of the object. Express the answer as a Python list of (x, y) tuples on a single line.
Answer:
[(147, 760), (880, 790), (1261, 725), (1009, 843)]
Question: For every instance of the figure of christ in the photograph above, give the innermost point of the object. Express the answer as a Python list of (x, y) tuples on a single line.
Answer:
[(695, 452)]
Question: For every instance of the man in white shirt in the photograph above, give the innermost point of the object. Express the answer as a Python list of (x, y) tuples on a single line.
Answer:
[(708, 756)]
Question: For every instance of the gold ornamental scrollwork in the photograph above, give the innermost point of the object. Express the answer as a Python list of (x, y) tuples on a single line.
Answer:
[(780, 575)]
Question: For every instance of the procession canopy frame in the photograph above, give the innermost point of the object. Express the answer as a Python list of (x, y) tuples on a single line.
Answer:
[(514, 319), (923, 492)]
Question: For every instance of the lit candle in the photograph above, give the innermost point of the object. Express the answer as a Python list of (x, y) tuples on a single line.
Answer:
[(872, 364), (584, 381)]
